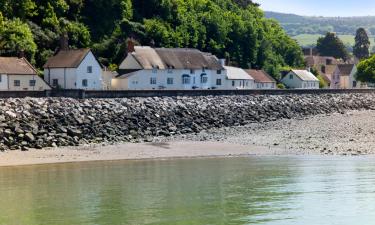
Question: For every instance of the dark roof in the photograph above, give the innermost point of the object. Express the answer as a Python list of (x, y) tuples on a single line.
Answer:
[(16, 66), (346, 69), (175, 58), (330, 69), (260, 76), (319, 60), (67, 58)]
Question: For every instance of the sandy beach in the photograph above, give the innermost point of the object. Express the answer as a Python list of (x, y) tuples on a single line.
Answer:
[(348, 134)]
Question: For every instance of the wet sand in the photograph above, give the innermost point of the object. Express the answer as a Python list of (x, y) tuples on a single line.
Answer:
[(128, 151)]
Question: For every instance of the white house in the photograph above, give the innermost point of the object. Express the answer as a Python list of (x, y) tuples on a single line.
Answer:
[(238, 78), (262, 79), (300, 79), (74, 69), (147, 68), (17, 74)]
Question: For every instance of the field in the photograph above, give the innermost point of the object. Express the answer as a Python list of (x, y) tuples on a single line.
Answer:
[(310, 39)]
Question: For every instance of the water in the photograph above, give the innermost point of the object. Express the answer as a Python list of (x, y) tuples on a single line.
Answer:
[(259, 190)]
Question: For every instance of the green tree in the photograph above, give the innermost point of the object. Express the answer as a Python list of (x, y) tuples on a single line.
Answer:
[(331, 45), (17, 36), (361, 48), (366, 70)]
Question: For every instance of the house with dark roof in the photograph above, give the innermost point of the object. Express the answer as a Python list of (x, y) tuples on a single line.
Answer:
[(17, 74), (262, 79), (300, 79), (74, 69), (147, 68)]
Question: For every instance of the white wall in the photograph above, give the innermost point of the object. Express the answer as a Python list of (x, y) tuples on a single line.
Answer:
[(24, 80), (141, 80), (263, 85), (4, 82), (94, 79), (66, 77), (239, 84)]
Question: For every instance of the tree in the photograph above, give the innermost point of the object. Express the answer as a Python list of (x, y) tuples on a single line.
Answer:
[(16, 37), (331, 45), (362, 44), (366, 70)]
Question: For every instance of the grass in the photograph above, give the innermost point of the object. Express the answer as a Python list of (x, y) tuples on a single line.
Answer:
[(310, 39)]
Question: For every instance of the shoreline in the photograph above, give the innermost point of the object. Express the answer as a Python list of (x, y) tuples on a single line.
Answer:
[(131, 151), (338, 134)]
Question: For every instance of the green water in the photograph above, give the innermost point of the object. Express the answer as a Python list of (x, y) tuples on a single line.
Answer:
[(261, 190)]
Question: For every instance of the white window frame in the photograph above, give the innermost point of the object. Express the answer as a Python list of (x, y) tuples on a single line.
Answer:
[(153, 81), (32, 83)]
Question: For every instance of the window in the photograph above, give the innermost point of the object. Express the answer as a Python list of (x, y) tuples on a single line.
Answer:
[(218, 82), (185, 79), (291, 77), (17, 83), (55, 82), (218, 71), (32, 83), (233, 83), (169, 80), (89, 69), (204, 78), (247, 83), (1, 77), (153, 80), (84, 83)]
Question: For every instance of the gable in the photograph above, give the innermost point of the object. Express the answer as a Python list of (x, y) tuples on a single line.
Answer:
[(130, 63)]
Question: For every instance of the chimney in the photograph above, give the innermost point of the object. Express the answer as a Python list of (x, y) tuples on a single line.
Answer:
[(21, 54), (222, 62), (131, 45), (152, 43), (64, 42), (323, 69)]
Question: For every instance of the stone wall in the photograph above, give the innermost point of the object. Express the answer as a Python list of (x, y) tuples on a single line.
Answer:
[(46, 122)]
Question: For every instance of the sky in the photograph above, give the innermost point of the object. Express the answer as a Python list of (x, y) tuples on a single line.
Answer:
[(321, 7)]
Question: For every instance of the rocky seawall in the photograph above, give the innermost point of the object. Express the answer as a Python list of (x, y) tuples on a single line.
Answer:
[(50, 122)]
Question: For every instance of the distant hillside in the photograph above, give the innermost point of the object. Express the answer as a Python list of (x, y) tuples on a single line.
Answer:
[(296, 25)]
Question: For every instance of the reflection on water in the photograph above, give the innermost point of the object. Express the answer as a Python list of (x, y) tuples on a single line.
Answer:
[(261, 190)]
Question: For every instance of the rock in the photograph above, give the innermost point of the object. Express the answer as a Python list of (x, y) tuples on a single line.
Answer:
[(29, 137), (74, 132)]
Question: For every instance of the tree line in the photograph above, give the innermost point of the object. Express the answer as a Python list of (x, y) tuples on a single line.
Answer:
[(233, 29)]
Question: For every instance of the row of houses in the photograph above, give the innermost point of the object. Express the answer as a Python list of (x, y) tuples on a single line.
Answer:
[(336, 73), (147, 68)]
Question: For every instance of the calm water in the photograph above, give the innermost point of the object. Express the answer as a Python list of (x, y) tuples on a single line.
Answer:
[(264, 190)]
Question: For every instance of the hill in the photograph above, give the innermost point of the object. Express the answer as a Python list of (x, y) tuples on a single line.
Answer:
[(306, 30), (232, 29), (295, 24)]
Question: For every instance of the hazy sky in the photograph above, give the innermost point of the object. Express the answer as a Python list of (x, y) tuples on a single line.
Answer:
[(321, 7)]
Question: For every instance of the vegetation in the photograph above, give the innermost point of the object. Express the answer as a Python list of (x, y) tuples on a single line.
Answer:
[(366, 70), (322, 82), (361, 48), (296, 25), (234, 29), (331, 45)]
